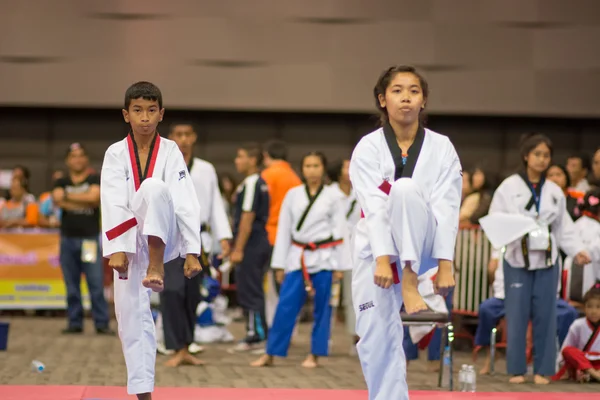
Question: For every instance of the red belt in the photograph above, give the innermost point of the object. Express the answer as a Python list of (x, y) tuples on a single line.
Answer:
[(312, 246), (385, 187)]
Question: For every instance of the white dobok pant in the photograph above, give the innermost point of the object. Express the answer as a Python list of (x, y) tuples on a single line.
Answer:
[(153, 208), (378, 322)]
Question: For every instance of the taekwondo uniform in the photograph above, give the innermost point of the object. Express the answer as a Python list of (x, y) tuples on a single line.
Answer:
[(492, 310), (349, 203), (181, 296), (252, 195), (135, 204), (307, 247), (579, 279), (531, 267), (410, 204), (581, 349)]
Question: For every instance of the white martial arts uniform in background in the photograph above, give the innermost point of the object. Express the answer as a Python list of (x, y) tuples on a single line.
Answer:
[(578, 279), (215, 223), (309, 247), (349, 204), (411, 219), (164, 204)]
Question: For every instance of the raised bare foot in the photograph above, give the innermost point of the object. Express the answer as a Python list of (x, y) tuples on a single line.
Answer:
[(155, 278), (310, 362), (264, 361), (413, 302), (540, 380), (517, 379)]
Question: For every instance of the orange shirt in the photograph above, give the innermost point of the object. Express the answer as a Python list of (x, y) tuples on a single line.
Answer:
[(280, 178), (20, 210)]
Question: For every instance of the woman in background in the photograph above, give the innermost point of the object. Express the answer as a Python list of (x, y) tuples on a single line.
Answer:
[(558, 174)]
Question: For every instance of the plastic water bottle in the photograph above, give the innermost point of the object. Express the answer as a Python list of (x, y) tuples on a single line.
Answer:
[(462, 378), (37, 366), (446, 368), (471, 379)]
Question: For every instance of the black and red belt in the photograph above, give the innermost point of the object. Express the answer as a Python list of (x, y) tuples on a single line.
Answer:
[(312, 246)]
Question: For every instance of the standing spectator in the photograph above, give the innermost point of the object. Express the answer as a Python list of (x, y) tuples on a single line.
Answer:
[(578, 166), (78, 195), (280, 177), (596, 168)]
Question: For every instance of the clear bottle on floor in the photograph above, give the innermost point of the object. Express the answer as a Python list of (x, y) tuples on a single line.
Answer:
[(462, 378), (37, 366), (471, 379), (446, 368)]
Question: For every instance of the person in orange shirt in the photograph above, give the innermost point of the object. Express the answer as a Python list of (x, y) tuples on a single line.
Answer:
[(280, 177), (19, 211)]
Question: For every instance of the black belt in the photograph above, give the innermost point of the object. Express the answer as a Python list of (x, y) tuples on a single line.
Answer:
[(205, 228), (525, 249)]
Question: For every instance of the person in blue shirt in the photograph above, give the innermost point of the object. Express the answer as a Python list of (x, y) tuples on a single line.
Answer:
[(251, 249)]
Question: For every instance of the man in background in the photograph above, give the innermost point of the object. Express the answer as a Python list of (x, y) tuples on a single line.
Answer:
[(77, 194), (280, 177), (578, 166)]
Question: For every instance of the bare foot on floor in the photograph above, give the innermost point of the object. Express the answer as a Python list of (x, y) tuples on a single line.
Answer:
[(175, 361), (540, 380), (413, 302), (517, 379), (486, 367), (264, 361), (183, 357), (582, 377), (189, 359), (310, 362), (155, 278), (594, 374)]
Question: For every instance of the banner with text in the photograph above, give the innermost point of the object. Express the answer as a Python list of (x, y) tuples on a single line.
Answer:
[(30, 274)]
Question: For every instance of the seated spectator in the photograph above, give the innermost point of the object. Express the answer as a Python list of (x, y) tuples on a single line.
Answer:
[(21, 172), (20, 211), (49, 213), (477, 203), (558, 174)]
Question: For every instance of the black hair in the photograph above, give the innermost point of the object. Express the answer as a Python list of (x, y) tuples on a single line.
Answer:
[(530, 141), (321, 157), (75, 146), (180, 123), (586, 163), (254, 150), (143, 90), (593, 293), (591, 201), (384, 81), (564, 171), (226, 175), (276, 149), (26, 171), (334, 170)]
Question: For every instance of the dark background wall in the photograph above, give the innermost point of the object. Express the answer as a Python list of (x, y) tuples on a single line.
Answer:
[(38, 137)]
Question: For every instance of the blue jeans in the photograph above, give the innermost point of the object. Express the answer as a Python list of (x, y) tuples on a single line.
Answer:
[(72, 267)]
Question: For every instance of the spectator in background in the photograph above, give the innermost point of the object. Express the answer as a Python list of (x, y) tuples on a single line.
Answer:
[(19, 211), (477, 203), (78, 195), (22, 172), (466, 186), (227, 186), (559, 175), (280, 177), (578, 166), (596, 168), (49, 213)]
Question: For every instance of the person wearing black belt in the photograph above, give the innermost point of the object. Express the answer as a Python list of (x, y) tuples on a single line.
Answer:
[(78, 196), (181, 296)]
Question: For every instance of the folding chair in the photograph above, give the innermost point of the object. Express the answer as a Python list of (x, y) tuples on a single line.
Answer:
[(435, 320)]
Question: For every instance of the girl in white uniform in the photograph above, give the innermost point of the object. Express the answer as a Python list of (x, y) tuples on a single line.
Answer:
[(309, 235), (408, 182), (531, 263)]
